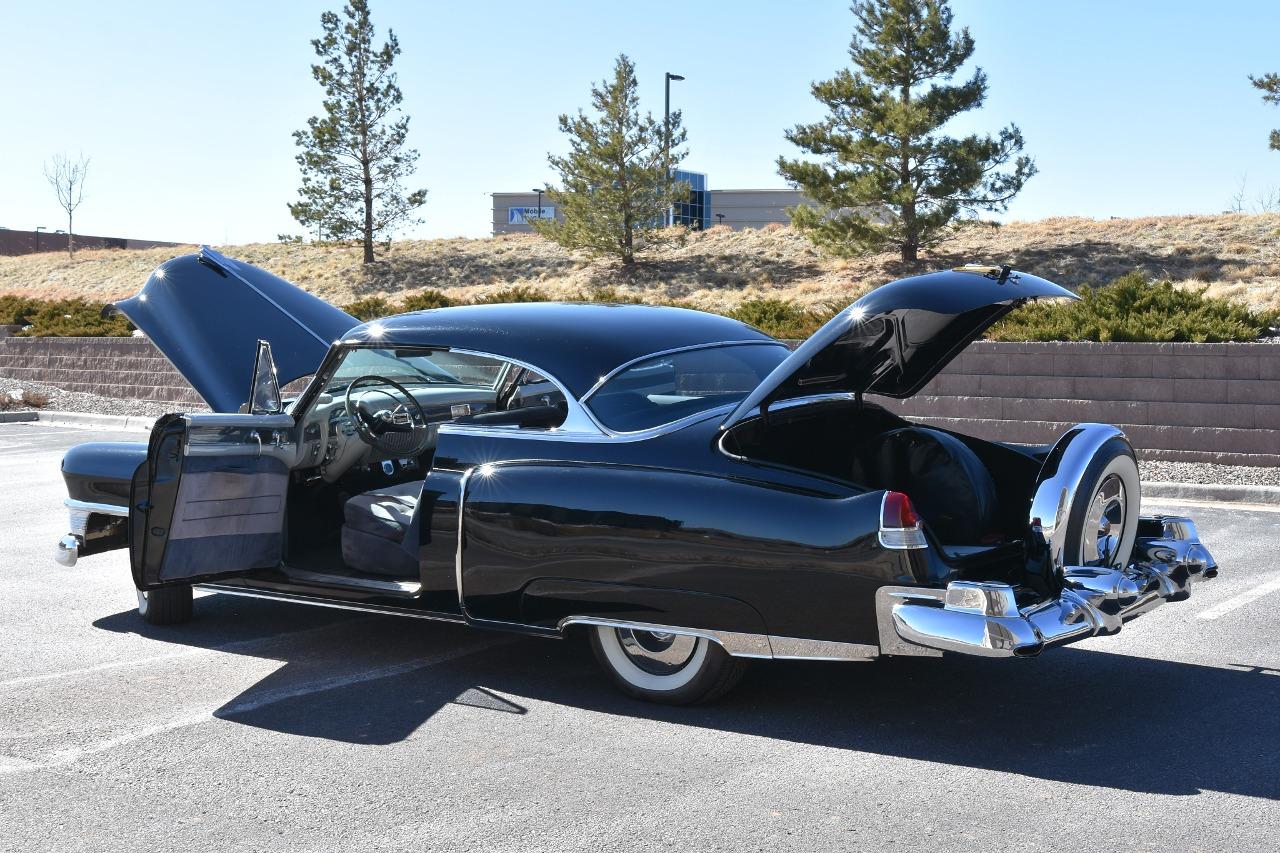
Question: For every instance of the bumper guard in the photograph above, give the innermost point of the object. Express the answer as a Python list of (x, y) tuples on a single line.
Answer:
[(983, 618)]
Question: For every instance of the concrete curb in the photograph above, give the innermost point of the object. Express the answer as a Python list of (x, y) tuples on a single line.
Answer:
[(17, 417), (131, 423), (1224, 493)]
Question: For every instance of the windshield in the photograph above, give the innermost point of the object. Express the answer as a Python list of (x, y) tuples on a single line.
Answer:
[(415, 367), (666, 388)]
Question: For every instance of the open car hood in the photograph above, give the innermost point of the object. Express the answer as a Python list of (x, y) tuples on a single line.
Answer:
[(896, 338), (206, 313)]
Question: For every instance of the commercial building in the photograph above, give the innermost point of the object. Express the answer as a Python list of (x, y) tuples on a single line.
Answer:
[(706, 207), (28, 242)]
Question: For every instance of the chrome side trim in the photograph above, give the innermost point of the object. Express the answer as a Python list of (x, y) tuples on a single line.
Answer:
[(794, 648), (296, 598), (457, 557), (1055, 494), (744, 645), (101, 509), (660, 353), (406, 588), (736, 644)]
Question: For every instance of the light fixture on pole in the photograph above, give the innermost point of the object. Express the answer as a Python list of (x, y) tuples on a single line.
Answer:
[(538, 190), (39, 228), (666, 127), (719, 218)]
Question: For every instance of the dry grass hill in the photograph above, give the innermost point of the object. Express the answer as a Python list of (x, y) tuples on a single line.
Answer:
[(1236, 255)]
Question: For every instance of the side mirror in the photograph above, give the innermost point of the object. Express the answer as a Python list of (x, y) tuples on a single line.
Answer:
[(264, 396)]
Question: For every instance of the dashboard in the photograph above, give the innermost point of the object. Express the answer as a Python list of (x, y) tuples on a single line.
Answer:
[(330, 445)]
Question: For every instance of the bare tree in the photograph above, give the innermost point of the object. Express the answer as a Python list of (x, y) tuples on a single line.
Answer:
[(67, 176)]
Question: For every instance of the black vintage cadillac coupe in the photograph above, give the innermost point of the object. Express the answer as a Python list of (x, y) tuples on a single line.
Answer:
[(683, 490)]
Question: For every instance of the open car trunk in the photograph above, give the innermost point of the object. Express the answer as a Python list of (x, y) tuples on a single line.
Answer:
[(972, 494), (810, 413)]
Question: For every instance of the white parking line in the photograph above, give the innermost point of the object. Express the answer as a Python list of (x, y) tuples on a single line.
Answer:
[(229, 648), (1246, 597), (71, 755)]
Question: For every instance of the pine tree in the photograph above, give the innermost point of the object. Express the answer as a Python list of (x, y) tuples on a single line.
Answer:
[(617, 178), (1269, 84), (353, 157), (888, 177)]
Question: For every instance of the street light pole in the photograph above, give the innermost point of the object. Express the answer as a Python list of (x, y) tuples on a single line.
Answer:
[(538, 190), (39, 228), (666, 128)]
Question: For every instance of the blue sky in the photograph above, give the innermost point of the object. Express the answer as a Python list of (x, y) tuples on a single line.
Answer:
[(1130, 108)]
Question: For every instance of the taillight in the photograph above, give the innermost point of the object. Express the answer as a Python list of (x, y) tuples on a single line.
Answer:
[(899, 523)]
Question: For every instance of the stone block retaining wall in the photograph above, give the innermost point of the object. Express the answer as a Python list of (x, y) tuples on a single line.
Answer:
[(1193, 402), (128, 368)]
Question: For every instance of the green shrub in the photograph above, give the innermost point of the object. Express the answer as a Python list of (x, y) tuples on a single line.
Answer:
[(518, 293), (425, 300), (1133, 309), (781, 318), (16, 310), (74, 318), (369, 308), (612, 296)]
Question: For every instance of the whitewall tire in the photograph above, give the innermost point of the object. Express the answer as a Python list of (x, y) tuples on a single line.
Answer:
[(674, 669)]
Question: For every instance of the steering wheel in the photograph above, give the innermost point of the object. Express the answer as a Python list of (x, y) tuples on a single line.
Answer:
[(401, 431)]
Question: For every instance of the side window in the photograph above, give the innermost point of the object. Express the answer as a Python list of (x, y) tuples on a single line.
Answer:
[(534, 389), (525, 400)]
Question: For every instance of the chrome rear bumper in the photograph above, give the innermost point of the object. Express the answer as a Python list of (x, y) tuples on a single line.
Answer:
[(983, 618)]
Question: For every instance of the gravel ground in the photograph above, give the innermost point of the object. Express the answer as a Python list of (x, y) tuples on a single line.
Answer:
[(75, 401), (1208, 473)]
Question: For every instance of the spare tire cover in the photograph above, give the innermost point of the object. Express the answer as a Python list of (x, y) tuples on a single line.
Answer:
[(948, 485)]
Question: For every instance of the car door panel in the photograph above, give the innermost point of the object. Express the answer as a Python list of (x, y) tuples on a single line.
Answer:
[(210, 501)]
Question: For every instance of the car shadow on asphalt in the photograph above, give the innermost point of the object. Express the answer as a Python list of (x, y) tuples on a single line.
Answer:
[(1076, 715)]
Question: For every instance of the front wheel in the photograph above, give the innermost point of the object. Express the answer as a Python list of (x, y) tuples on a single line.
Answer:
[(168, 605), (672, 669)]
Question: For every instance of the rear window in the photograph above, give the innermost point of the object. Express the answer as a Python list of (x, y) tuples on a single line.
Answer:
[(666, 388)]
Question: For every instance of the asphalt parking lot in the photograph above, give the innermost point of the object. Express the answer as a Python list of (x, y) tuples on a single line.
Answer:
[(271, 726)]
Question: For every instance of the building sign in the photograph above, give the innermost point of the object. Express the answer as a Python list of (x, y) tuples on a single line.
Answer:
[(522, 215)]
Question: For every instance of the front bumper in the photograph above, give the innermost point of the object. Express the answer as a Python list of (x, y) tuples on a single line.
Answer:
[(983, 618), (95, 527)]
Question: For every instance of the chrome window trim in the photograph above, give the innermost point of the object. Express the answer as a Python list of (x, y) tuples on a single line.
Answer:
[(690, 348), (577, 419), (560, 434), (670, 426)]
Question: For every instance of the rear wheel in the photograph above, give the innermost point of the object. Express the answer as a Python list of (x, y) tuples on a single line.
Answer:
[(657, 666), (168, 605), (1103, 522)]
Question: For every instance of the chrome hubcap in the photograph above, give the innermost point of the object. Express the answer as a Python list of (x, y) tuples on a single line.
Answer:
[(1104, 523), (657, 652)]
